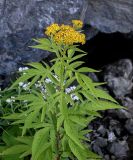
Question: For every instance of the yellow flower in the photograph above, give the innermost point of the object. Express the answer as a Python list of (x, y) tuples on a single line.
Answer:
[(69, 37), (52, 29), (65, 34), (66, 27), (77, 24)]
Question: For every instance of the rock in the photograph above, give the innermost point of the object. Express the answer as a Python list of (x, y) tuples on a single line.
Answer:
[(111, 136), (119, 77), (110, 16), (102, 130), (23, 20), (129, 126), (128, 102), (119, 149), (101, 142)]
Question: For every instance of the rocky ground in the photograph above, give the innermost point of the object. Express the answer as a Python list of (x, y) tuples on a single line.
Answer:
[(113, 134)]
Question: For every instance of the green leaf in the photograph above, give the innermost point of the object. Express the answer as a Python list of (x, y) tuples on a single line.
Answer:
[(82, 154), (43, 41), (64, 143), (29, 120), (40, 138), (59, 122), (12, 116), (44, 109), (37, 65), (86, 69), (104, 105), (23, 78), (43, 47), (71, 132), (71, 52), (75, 64), (26, 140), (9, 135), (88, 82), (103, 94), (100, 105), (76, 150), (69, 82), (79, 50), (50, 88), (77, 57), (25, 154), (81, 120), (40, 151), (16, 149)]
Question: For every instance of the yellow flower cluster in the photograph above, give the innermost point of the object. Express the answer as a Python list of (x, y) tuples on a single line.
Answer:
[(52, 29), (77, 24), (69, 37), (65, 34)]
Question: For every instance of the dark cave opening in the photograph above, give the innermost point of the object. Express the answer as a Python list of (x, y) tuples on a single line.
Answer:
[(106, 48)]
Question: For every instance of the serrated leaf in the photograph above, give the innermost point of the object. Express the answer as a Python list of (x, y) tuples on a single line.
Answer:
[(76, 151), (29, 120), (75, 64), (23, 78), (102, 105), (40, 151), (16, 149), (11, 116), (50, 88), (70, 131), (82, 154), (25, 154), (64, 143), (43, 113), (88, 82), (43, 47), (43, 41), (71, 52), (79, 50), (77, 57), (59, 122), (86, 69), (69, 82), (40, 138), (26, 140), (103, 94), (81, 120)]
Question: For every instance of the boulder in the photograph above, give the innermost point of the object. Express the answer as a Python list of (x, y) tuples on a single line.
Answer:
[(110, 15)]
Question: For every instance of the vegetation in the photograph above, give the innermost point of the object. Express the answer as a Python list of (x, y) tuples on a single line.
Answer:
[(44, 116)]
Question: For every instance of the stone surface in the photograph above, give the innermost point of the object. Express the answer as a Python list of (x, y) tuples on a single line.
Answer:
[(110, 15), (20, 21), (119, 149), (119, 77), (129, 126)]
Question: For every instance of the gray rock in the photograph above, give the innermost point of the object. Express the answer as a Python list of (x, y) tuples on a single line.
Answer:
[(20, 21), (129, 126), (119, 149), (101, 142), (102, 130), (119, 77), (128, 102), (111, 136), (110, 15)]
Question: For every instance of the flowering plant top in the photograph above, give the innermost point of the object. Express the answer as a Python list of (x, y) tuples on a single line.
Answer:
[(66, 34)]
